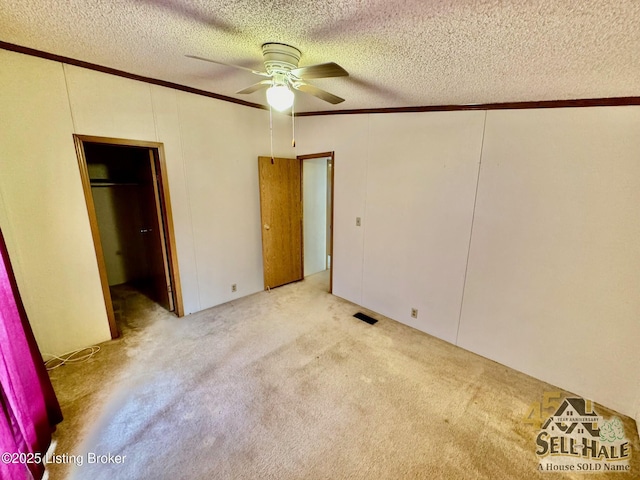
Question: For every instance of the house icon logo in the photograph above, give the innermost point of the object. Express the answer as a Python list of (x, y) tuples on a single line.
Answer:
[(575, 438)]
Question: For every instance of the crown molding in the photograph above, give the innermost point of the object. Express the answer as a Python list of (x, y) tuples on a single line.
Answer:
[(120, 73), (573, 103), (586, 102)]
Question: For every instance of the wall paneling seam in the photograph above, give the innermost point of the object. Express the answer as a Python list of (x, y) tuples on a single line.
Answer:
[(364, 211), (66, 85), (189, 207), (473, 216), (153, 113)]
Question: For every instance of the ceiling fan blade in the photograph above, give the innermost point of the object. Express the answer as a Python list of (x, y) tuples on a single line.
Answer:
[(255, 72), (256, 86), (322, 70), (318, 92)]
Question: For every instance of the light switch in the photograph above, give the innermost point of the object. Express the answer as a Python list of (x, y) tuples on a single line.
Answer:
[(358, 221)]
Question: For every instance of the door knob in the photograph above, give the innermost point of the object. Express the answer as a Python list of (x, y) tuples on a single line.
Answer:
[(266, 226)]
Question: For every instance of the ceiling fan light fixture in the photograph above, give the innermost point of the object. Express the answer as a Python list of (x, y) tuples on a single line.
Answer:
[(284, 76), (280, 97)]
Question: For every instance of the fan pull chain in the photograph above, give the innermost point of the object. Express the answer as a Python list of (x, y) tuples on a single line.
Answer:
[(293, 126), (271, 132)]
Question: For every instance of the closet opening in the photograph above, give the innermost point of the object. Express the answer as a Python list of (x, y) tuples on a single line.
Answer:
[(129, 210)]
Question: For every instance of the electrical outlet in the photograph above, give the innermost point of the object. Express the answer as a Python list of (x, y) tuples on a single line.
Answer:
[(358, 221), (234, 288), (414, 313)]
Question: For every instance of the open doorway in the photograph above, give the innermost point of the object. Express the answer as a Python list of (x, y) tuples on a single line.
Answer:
[(317, 188), (130, 216), (285, 245)]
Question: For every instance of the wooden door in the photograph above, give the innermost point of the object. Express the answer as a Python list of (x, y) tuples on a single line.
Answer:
[(281, 216), (155, 242)]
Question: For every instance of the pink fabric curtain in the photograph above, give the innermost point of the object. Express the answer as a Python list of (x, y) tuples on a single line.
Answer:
[(29, 409)]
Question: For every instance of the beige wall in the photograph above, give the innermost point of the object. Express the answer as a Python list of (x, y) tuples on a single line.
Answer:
[(551, 285), (211, 149), (44, 218), (347, 135), (411, 178), (421, 178)]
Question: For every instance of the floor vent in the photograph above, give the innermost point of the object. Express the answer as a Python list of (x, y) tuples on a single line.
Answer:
[(365, 318)]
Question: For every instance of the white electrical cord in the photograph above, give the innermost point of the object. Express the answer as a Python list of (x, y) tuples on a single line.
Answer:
[(70, 357), (293, 126), (271, 131)]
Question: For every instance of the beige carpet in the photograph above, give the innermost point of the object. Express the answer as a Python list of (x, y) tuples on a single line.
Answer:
[(288, 385)]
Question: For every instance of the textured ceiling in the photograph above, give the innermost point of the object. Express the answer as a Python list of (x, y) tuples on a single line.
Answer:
[(398, 53)]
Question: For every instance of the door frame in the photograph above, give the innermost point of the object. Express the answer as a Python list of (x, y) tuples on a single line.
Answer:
[(167, 218), (333, 170)]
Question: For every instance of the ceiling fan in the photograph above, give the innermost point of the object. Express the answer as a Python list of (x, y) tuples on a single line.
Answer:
[(283, 75)]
